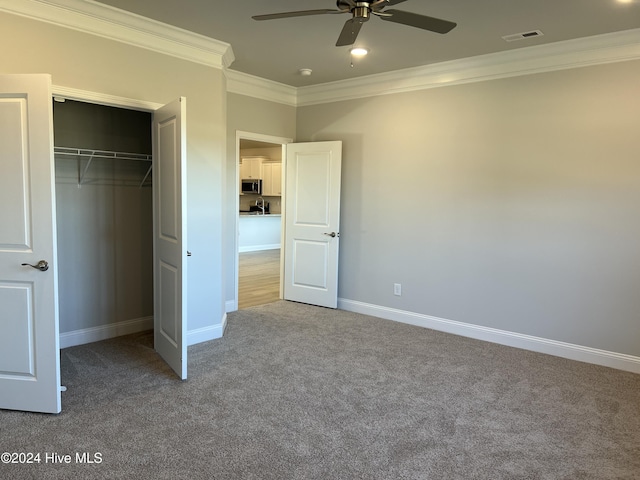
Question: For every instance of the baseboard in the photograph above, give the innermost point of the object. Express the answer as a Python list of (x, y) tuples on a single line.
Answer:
[(259, 248), (103, 332), (230, 306), (570, 351), (205, 334)]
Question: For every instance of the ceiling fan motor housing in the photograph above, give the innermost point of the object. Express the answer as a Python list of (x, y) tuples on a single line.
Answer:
[(361, 10)]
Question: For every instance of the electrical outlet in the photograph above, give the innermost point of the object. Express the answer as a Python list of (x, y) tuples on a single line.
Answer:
[(397, 289)]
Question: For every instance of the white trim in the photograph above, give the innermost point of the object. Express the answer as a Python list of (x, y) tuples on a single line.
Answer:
[(259, 248), (104, 332), (230, 306), (102, 20), (127, 327), (595, 50), (108, 22), (256, 87), (580, 353), (205, 334), (260, 137), (581, 52), (104, 99), (95, 18)]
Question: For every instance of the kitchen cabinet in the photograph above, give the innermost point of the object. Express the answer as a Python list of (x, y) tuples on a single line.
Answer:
[(251, 167), (272, 179)]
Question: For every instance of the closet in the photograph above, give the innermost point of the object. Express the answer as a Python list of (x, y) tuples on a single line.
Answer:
[(104, 211)]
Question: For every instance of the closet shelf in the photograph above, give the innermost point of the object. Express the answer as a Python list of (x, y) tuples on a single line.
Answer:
[(89, 154)]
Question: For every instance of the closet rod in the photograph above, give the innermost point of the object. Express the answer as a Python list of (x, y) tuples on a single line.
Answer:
[(90, 154), (84, 152)]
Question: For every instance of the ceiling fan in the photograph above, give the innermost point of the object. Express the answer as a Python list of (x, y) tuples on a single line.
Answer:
[(362, 11)]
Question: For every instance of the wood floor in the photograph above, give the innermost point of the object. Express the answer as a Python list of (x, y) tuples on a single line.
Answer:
[(258, 278)]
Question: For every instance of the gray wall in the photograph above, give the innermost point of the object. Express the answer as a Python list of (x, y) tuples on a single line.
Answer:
[(104, 227), (91, 126), (511, 204), (95, 64), (105, 247), (252, 115)]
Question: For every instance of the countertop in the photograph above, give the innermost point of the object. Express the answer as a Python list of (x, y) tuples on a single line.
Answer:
[(255, 214)]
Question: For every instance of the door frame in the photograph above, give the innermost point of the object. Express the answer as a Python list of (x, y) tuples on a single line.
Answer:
[(259, 137), (106, 100), (179, 366)]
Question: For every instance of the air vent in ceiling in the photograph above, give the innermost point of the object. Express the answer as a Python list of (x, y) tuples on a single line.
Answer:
[(522, 36)]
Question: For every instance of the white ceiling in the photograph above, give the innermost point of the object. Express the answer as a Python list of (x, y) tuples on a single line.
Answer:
[(277, 49)]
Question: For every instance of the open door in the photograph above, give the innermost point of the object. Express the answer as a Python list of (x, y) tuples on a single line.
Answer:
[(170, 234), (312, 228), (29, 348)]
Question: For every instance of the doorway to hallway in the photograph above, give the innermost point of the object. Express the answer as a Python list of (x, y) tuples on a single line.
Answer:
[(259, 278)]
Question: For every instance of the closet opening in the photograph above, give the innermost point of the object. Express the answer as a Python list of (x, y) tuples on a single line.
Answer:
[(104, 209)]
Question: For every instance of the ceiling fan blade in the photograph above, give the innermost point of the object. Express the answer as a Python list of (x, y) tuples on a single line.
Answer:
[(303, 13), (419, 21), (350, 32), (386, 3)]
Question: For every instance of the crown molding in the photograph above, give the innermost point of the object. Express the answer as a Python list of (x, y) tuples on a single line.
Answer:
[(257, 87), (595, 50), (102, 20), (105, 21)]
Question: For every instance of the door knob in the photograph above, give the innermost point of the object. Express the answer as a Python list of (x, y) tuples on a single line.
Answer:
[(332, 234), (42, 265)]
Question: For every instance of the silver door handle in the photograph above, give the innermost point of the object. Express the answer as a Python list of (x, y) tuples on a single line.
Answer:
[(42, 265), (332, 234)]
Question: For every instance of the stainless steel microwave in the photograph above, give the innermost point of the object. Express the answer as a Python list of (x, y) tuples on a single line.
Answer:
[(250, 185)]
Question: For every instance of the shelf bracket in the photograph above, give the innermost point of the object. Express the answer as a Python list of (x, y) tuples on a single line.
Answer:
[(146, 175), (84, 171)]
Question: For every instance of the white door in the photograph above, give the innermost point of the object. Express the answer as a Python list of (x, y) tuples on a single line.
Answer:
[(312, 222), (29, 348), (169, 237)]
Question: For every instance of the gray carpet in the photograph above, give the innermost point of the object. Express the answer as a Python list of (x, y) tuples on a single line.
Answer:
[(299, 392)]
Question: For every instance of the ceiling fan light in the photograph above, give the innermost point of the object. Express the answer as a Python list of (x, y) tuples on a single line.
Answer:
[(359, 52)]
